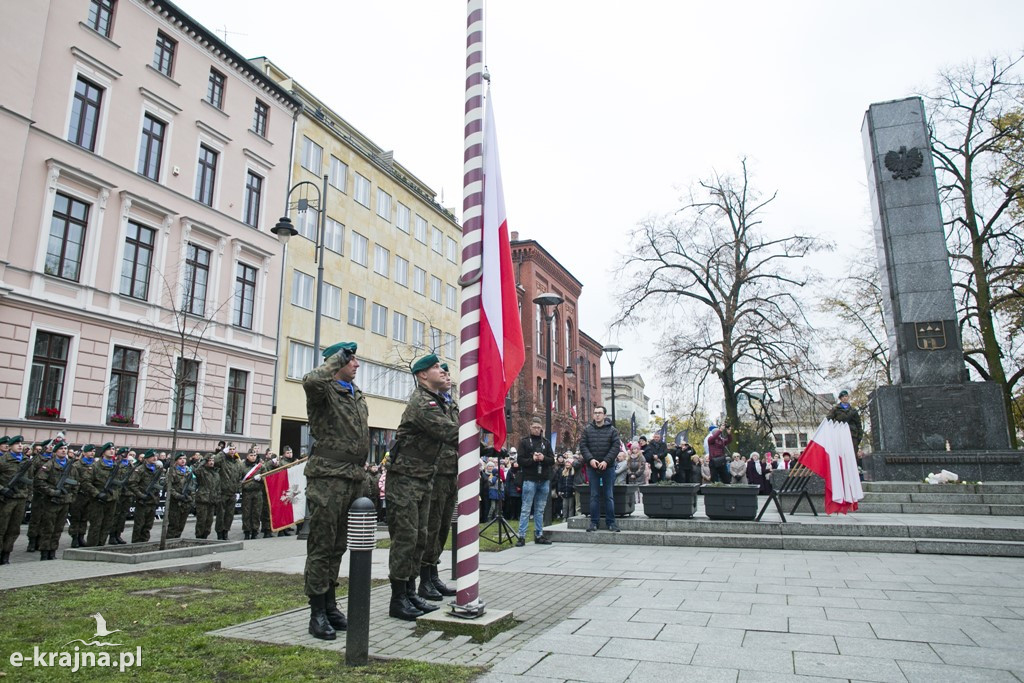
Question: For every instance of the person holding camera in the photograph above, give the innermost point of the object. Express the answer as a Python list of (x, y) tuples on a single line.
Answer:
[(535, 459), (717, 441)]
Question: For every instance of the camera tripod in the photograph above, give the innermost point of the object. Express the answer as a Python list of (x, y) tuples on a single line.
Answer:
[(506, 534)]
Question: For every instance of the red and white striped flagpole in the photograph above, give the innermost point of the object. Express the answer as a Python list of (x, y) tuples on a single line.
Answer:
[(467, 570)]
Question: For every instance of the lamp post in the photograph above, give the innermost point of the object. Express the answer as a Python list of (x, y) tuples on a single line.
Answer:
[(581, 358), (285, 225), (552, 300), (612, 352)]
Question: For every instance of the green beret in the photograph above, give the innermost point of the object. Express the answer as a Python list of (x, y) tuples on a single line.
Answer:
[(44, 444), (340, 346), (88, 448), (104, 447), (59, 443), (425, 363), (123, 449), (16, 439), (4, 439), (444, 366), (844, 392), (149, 454), (180, 454)]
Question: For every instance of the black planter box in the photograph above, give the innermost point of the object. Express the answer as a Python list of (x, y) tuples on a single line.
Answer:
[(737, 501), (624, 498), (670, 501)]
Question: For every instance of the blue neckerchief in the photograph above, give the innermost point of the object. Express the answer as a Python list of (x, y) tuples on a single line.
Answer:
[(62, 463), (108, 463), (17, 456), (447, 396), (151, 468), (87, 461), (844, 406), (46, 455), (346, 385), (181, 469)]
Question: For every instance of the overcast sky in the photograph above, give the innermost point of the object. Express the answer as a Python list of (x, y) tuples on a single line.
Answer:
[(607, 111)]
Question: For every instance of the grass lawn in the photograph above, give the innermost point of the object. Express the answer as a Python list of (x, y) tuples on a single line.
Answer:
[(170, 627), (487, 545)]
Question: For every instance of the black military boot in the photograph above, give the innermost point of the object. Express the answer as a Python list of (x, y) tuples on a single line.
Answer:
[(119, 540), (427, 589), (319, 627), (334, 615), (5, 558), (53, 555), (32, 545), (74, 540), (441, 586), (268, 534), (400, 606), (81, 541), (44, 555), (417, 602)]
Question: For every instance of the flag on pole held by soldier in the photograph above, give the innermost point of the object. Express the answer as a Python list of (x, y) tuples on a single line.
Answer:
[(286, 494), (252, 472)]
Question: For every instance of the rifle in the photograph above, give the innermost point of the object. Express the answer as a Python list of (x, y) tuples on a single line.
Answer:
[(65, 479), (189, 489), (153, 482), (19, 476), (111, 482)]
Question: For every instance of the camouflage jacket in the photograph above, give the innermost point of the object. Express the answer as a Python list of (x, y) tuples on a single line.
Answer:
[(427, 426), (9, 468), (448, 460), (140, 480), (851, 417), (208, 479), (84, 473), (100, 476), (48, 476), (251, 484), (232, 469), (339, 421), (176, 482)]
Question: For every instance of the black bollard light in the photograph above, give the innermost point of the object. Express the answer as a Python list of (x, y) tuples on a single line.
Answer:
[(455, 540), (362, 538)]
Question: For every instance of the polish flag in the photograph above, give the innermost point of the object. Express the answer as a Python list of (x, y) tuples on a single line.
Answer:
[(286, 494), (502, 350), (830, 455), (251, 473), (572, 411)]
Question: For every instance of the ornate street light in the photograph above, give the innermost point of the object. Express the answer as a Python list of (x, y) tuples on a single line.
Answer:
[(546, 301), (612, 353)]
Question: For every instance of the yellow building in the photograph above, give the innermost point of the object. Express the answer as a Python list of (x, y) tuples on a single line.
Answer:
[(391, 268)]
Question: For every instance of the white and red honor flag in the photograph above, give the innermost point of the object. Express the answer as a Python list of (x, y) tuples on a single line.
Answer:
[(502, 350), (251, 473), (286, 494), (830, 455)]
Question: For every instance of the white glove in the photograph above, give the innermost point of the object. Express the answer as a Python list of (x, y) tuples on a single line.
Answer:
[(258, 477)]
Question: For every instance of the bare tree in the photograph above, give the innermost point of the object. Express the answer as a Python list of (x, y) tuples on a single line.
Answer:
[(977, 129), (719, 285)]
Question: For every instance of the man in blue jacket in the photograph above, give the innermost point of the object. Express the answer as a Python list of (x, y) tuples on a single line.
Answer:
[(600, 445)]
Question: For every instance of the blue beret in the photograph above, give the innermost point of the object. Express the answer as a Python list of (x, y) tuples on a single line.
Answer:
[(340, 346), (425, 363)]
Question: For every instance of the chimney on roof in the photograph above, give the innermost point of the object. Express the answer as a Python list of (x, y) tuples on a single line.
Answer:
[(515, 236)]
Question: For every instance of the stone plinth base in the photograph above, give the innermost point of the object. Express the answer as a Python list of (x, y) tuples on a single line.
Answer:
[(995, 465), (480, 629)]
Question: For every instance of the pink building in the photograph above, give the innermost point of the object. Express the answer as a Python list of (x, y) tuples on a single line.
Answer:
[(144, 164)]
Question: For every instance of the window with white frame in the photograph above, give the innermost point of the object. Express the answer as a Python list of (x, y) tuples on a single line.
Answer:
[(312, 156), (402, 216), (46, 379), (451, 249), (137, 261), (420, 232), (451, 297), (399, 325), (300, 359), (337, 175), (435, 289), (85, 114), (383, 204), (206, 174), (65, 247), (197, 276), (449, 345), (361, 190), (401, 271), (381, 260), (379, 320), (331, 304), (302, 290), (253, 197), (385, 381), (437, 239), (356, 310), (435, 340), (360, 249), (101, 16), (419, 331), (419, 280), (334, 236), (306, 223), (245, 295)]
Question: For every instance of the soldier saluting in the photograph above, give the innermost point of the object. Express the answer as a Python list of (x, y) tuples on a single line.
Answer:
[(339, 421)]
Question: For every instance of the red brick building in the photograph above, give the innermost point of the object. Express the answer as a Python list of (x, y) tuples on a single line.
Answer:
[(538, 272)]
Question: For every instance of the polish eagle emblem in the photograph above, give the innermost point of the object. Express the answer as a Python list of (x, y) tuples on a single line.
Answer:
[(291, 495), (904, 163)]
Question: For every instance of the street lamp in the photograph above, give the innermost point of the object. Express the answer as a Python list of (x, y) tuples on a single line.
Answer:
[(552, 300), (612, 352), (284, 230)]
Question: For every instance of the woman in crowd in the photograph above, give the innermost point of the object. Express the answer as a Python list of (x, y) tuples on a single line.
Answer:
[(564, 479), (738, 469), (705, 469)]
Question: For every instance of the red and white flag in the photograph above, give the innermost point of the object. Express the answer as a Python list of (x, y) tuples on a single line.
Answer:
[(251, 473), (830, 455), (286, 494), (572, 411), (502, 350)]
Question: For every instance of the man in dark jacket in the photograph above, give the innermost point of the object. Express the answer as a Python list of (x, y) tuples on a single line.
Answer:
[(535, 460), (655, 456), (600, 445), (684, 465)]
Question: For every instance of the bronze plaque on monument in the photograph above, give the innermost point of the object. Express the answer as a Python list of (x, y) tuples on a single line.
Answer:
[(930, 336)]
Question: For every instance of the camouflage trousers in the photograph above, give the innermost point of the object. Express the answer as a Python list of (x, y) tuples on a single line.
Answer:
[(11, 513), (204, 518), (225, 513), (101, 519), (252, 509), (51, 523), (35, 522), (177, 516), (408, 518), (327, 502), (145, 513), (444, 493), (78, 514), (124, 503)]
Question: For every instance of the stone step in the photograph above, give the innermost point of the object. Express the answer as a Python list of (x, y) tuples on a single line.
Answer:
[(869, 544), (921, 487), (941, 509), (945, 498)]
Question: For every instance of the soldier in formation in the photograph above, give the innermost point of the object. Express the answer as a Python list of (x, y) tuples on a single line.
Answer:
[(252, 495), (181, 486), (231, 471), (54, 482), (15, 487), (105, 494)]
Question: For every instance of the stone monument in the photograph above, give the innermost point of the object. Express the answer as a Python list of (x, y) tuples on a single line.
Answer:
[(932, 417)]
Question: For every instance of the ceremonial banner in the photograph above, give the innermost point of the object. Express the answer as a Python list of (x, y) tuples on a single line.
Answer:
[(830, 455), (286, 494)]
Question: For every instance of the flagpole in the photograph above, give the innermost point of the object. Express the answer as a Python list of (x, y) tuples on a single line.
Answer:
[(467, 570)]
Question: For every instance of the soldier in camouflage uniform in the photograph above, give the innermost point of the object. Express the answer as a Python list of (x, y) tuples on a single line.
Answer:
[(144, 486), (339, 421), (15, 486), (104, 505), (34, 522), (231, 471), (78, 511), (207, 495), (124, 498), (54, 502), (844, 412), (180, 489), (443, 495), (252, 497), (425, 428)]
